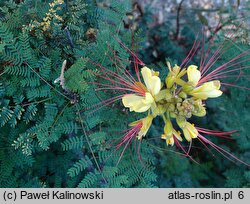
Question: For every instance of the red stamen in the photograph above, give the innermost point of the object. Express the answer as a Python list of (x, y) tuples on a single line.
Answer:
[(182, 148), (216, 133), (105, 71), (206, 147), (217, 54), (233, 85), (132, 53), (127, 73), (191, 52), (224, 66), (103, 104), (128, 137), (223, 152), (221, 74), (202, 50)]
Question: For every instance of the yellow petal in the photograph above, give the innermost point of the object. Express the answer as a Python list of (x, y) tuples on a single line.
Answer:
[(187, 134), (192, 130), (137, 103), (129, 99), (146, 123), (148, 98), (151, 80), (188, 129), (194, 75), (177, 135), (170, 141), (216, 84), (207, 90)]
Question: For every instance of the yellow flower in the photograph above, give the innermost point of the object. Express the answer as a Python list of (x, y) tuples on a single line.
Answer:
[(142, 103), (170, 133), (170, 140), (145, 124), (207, 90), (188, 129)]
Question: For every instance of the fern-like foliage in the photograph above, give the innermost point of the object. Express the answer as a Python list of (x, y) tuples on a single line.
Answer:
[(79, 166), (58, 140)]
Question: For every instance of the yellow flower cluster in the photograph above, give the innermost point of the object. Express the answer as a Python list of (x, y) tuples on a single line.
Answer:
[(180, 97), (51, 14)]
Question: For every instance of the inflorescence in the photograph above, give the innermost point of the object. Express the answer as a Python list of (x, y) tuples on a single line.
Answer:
[(176, 99), (180, 96)]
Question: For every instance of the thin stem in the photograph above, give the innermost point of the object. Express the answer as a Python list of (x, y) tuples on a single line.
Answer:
[(88, 142)]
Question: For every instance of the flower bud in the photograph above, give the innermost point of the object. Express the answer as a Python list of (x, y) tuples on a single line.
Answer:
[(182, 94), (168, 129), (161, 95), (181, 121), (169, 81)]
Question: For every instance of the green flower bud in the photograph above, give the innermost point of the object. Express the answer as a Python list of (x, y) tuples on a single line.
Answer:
[(168, 129), (181, 121), (182, 95)]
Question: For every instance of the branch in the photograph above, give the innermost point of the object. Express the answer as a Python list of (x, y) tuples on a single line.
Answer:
[(178, 20)]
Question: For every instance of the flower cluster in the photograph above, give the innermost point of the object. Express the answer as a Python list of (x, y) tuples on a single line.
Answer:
[(51, 17), (51, 14), (180, 96)]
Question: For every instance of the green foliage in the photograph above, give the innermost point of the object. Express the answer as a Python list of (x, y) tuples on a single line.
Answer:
[(79, 166), (75, 75), (89, 181), (73, 143)]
